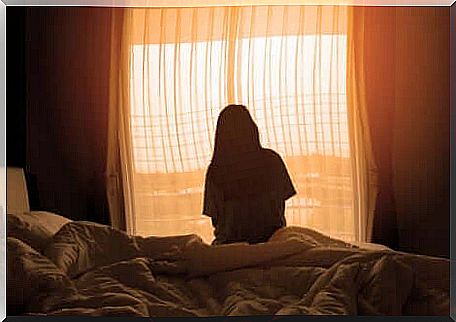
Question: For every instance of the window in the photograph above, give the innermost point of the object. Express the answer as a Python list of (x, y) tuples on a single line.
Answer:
[(294, 86)]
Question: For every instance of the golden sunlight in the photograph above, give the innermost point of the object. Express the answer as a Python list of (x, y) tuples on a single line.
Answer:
[(295, 89)]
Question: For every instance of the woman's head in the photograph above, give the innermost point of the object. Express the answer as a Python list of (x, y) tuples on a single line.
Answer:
[(236, 133)]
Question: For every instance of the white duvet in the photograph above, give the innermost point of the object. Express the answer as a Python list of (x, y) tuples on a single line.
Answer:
[(91, 269)]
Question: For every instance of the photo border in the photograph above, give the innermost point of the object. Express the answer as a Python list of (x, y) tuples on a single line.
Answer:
[(175, 3)]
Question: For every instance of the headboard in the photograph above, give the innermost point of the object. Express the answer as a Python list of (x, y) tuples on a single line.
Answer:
[(16, 191)]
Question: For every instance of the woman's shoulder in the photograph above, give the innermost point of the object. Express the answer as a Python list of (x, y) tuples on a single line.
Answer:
[(272, 155), (214, 171)]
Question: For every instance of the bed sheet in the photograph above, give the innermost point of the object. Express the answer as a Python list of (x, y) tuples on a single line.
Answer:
[(111, 273)]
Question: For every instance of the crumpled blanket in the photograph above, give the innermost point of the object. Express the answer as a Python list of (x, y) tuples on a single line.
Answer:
[(111, 273)]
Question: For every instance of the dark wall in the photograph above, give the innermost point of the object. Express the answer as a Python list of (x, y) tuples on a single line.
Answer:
[(15, 87), (16, 98), (67, 65)]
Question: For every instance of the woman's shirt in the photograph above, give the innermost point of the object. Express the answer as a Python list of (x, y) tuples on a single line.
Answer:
[(246, 197)]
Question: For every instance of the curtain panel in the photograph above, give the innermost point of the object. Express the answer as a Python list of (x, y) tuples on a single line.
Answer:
[(380, 88), (365, 175), (298, 69), (118, 165)]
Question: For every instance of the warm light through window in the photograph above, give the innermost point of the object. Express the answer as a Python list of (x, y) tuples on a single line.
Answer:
[(296, 93)]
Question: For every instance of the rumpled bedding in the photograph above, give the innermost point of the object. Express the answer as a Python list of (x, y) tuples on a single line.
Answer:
[(95, 270)]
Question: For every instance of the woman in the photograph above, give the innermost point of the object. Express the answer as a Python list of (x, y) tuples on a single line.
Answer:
[(246, 185)]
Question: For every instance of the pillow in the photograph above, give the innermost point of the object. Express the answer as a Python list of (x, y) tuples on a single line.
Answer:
[(27, 228), (30, 277), (80, 246), (35, 228), (50, 220)]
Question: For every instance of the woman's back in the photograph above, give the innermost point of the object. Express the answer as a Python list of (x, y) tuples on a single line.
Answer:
[(245, 196)]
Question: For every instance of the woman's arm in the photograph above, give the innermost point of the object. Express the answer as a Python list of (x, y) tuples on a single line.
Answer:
[(166, 247), (203, 259)]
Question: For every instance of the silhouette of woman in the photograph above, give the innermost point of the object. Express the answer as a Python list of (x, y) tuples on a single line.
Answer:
[(246, 185)]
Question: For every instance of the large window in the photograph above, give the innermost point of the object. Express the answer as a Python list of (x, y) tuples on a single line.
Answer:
[(295, 88)]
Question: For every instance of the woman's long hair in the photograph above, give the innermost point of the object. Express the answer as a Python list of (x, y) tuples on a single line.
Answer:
[(236, 134)]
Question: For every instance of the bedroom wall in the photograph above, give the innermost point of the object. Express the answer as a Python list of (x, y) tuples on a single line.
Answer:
[(16, 97), (15, 87), (67, 65)]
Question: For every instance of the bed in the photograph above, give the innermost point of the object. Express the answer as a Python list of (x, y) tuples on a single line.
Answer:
[(56, 266)]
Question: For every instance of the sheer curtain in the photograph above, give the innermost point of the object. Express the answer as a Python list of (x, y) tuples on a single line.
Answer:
[(174, 69)]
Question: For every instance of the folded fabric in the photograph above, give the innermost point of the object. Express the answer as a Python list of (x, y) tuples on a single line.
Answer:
[(28, 229), (35, 228), (113, 273), (30, 276)]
